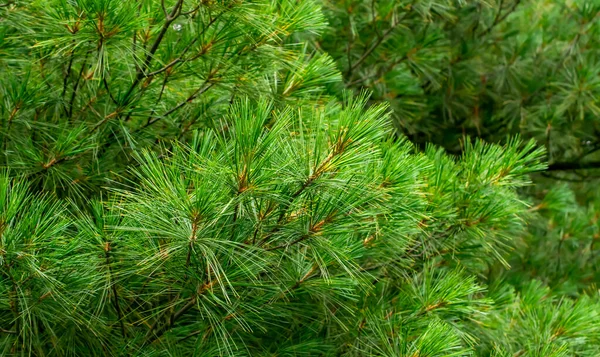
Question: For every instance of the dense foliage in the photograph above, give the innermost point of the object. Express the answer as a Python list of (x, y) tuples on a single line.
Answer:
[(492, 70), (185, 177)]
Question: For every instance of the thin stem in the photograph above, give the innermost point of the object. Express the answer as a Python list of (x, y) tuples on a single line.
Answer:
[(175, 61), (12, 115), (171, 321), (376, 44), (14, 304), (498, 19), (67, 74), (191, 244), (108, 91), (116, 303), (169, 18), (193, 96), (316, 174), (153, 335), (569, 166), (160, 94), (370, 50), (76, 86)]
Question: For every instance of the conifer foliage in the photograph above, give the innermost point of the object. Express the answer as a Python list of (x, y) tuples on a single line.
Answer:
[(491, 70), (187, 177), (86, 81), (274, 222)]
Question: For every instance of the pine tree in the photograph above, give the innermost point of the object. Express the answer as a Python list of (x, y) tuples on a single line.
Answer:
[(273, 232), (481, 68), (103, 78), (191, 178), (451, 69)]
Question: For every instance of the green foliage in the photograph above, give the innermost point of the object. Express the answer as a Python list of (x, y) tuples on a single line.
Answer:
[(547, 325), (186, 177), (492, 69), (279, 221), (106, 77), (484, 68)]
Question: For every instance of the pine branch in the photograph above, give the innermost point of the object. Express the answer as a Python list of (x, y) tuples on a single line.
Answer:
[(567, 179), (14, 299), (169, 18), (498, 19), (198, 92), (372, 48), (68, 73), (76, 86), (107, 249), (112, 98), (180, 58), (379, 72), (570, 166), (320, 170), (12, 115), (161, 329)]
